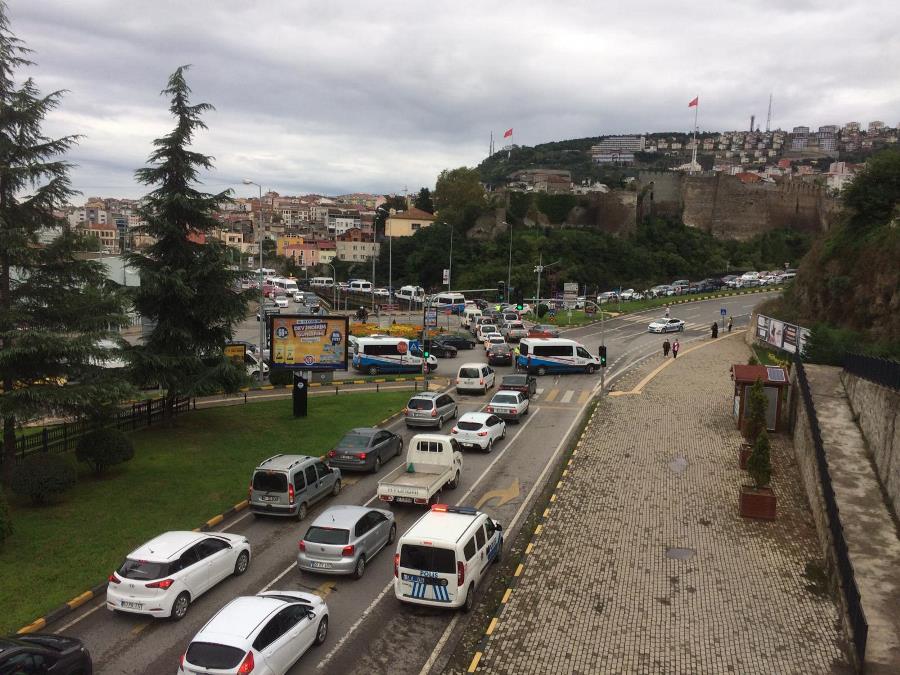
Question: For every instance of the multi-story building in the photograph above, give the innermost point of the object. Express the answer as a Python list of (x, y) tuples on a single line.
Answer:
[(407, 223), (356, 251), (341, 220), (107, 234), (876, 127), (619, 149)]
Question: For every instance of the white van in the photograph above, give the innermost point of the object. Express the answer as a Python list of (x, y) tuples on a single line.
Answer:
[(287, 284), (475, 377), (555, 355), (470, 315), (321, 282), (445, 555), (411, 294), (360, 286), (386, 354), (455, 302)]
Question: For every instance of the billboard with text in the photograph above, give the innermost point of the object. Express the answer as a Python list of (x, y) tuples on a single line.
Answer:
[(309, 342)]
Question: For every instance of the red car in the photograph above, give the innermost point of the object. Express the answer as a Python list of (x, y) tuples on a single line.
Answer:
[(543, 330)]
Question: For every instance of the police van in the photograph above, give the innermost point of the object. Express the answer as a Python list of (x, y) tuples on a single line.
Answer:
[(385, 354), (555, 355), (411, 294), (445, 555), (455, 302)]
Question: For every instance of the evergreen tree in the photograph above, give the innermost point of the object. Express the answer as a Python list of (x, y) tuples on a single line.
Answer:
[(56, 312), (423, 200), (187, 289)]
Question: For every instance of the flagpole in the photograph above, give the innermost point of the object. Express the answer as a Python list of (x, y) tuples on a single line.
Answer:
[(694, 156)]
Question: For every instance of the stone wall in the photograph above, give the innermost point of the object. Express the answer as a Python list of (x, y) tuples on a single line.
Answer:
[(877, 409)]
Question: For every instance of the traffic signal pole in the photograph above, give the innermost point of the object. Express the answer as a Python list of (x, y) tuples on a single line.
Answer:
[(602, 350)]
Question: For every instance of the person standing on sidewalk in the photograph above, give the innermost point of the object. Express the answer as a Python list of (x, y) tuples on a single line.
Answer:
[(666, 348), (675, 348), (730, 323), (715, 330)]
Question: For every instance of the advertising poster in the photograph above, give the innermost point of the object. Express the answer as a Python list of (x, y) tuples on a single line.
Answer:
[(305, 342), (235, 353), (789, 343), (776, 331), (762, 327), (802, 337)]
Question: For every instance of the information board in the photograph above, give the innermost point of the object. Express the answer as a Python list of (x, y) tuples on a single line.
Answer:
[(309, 342), (235, 353), (570, 294)]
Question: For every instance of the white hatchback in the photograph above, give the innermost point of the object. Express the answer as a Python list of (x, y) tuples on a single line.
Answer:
[(165, 575), (263, 633), (475, 377), (492, 339), (281, 301), (479, 430)]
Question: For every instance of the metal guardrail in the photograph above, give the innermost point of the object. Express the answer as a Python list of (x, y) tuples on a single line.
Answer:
[(880, 371), (64, 437), (858, 623)]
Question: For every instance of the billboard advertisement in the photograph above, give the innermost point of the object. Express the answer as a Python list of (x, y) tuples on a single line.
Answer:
[(785, 336), (776, 331), (309, 342), (762, 327)]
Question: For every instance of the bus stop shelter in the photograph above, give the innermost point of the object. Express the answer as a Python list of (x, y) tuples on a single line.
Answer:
[(774, 380)]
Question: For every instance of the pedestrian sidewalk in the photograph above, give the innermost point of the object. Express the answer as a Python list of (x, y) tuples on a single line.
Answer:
[(642, 563)]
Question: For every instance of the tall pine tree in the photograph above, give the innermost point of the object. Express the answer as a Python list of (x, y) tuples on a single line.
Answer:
[(187, 289), (56, 312)]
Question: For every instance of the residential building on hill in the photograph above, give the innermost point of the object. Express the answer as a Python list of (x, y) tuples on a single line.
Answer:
[(620, 149), (407, 223)]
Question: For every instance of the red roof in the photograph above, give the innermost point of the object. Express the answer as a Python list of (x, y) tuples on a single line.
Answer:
[(413, 214), (748, 177), (750, 374)]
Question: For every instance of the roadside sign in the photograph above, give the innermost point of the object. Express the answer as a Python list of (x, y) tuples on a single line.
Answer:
[(309, 342), (723, 311), (430, 318), (570, 294), (235, 353), (446, 276)]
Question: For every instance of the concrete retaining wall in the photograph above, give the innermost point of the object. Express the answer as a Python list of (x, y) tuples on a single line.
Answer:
[(877, 409)]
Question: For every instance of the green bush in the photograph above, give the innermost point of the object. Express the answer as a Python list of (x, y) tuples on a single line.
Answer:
[(6, 528), (42, 476), (757, 405), (542, 309), (759, 464), (828, 345), (281, 376), (103, 448)]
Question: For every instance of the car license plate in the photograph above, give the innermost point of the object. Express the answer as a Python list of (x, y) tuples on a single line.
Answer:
[(405, 500), (132, 605), (267, 498), (320, 565)]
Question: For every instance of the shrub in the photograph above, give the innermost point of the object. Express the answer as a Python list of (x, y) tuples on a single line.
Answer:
[(541, 310), (281, 376), (42, 476), (757, 405), (103, 448), (6, 528), (759, 464)]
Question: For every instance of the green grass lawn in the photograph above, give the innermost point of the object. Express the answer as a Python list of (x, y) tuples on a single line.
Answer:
[(180, 477)]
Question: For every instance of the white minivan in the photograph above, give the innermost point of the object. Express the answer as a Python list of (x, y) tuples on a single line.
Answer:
[(360, 286), (455, 302), (445, 555), (470, 315), (475, 377), (555, 355)]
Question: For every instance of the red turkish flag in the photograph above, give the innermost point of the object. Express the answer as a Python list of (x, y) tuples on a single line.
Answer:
[(694, 103), (508, 133)]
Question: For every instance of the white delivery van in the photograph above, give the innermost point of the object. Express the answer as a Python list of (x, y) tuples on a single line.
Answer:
[(411, 294), (445, 555), (321, 282), (470, 315), (555, 355), (455, 302), (360, 286)]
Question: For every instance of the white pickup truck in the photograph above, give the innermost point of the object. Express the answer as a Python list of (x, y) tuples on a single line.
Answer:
[(432, 462)]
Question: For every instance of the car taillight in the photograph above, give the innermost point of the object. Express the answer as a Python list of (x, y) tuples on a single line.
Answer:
[(434, 412), (482, 433), (361, 455), (182, 659), (332, 453), (301, 545), (290, 493), (247, 665), (489, 409), (348, 551), (396, 564), (114, 579), (460, 573), (164, 584)]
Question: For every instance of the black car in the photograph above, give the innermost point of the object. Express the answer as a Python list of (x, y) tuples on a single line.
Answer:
[(523, 383), (44, 653), (442, 349), (499, 355), (365, 449), (456, 340)]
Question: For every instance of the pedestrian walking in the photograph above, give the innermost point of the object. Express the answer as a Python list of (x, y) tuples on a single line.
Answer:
[(730, 323), (715, 330), (667, 311), (675, 348), (666, 348)]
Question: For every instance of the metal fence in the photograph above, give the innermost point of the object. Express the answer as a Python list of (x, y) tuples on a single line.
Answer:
[(858, 623), (879, 371), (64, 437)]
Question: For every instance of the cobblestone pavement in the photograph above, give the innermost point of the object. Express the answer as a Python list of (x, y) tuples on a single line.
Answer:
[(643, 564)]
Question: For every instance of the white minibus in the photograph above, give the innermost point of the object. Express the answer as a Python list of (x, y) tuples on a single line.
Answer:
[(455, 302), (376, 355), (555, 355), (360, 286), (321, 282)]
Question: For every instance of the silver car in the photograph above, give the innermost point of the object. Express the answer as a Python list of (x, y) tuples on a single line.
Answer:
[(344, 539), (430, 409)]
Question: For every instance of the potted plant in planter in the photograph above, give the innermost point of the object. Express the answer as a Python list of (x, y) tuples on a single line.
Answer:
[(758, 500), (755, 421)]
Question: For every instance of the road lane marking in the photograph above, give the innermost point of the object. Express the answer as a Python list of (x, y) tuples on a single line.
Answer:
[(519, 570), (356, 624), (474, 665), (503, 495), (491, 626), (583, 397), (506, 595), (539, 391), (567, 396), (83, 616), (550, 397), (278, 578), (137, 630)]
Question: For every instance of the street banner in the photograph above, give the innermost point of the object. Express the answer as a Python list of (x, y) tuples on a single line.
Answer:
[(309, 342), (431, 318)]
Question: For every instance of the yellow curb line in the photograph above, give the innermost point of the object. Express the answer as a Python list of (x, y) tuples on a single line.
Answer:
[(80, 600), (506, 596), (529, 548), (518, 571), (267, 387), (33, 627), (212, 522), (553, 498), (547, 512), (240, 506), (474, 664), (665, 364), (491, 626)]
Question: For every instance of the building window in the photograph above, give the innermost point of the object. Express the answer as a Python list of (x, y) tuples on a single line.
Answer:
[(415, 226)]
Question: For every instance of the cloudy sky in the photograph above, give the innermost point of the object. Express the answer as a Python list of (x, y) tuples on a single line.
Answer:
[(338, 96)]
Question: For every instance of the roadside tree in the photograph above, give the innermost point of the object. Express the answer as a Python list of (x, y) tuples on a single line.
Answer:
[(58, 314), (187, 290)]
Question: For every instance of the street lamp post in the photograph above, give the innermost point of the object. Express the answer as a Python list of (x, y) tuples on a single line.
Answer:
[(509, 264), (539, 269), (450, 267), (262, 315), (333, 286)]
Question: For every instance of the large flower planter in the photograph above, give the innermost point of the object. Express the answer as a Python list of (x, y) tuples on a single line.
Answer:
[(759, 503)]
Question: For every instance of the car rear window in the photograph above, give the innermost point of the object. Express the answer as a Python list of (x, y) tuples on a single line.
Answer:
[(211, 655), (354, 441), (469, 372), (428, 558), (469, 426), (420, 404), (514, 381), (327, 535), (143, 569), (505, 399), (269, 482)]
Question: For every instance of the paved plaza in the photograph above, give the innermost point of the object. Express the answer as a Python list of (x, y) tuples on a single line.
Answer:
[(643, 564)]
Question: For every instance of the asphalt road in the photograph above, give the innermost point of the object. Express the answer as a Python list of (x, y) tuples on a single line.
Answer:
[(370, 631)]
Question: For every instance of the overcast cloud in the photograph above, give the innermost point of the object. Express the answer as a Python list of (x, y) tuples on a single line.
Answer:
[(336, 97)]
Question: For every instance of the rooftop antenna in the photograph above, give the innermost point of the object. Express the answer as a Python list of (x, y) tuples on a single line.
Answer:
[(769, 116)]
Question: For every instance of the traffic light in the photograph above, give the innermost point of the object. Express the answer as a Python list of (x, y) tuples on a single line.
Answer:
[(427, 350), (520, 301), (501, 291), (603, 356)]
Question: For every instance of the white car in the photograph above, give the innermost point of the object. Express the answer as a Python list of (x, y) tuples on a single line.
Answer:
[(265, 633), (492, 339), (165, 575), (666, 326), (475, 377), (627, 294), (479, 430), (483, 330), (281, 301), (382, 293), (508, 405)]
